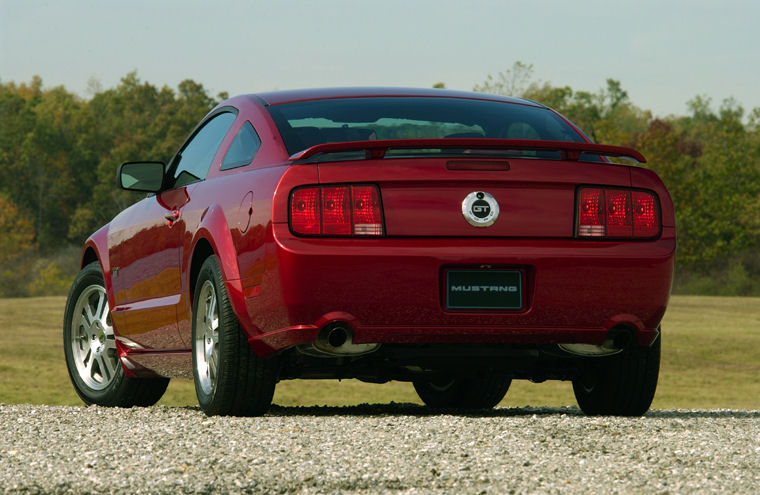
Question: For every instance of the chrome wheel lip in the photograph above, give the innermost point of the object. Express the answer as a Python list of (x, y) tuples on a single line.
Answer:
[(92, 341), (206, 339)]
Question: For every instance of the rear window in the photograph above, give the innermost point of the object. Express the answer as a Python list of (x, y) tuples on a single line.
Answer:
[(307, 123)]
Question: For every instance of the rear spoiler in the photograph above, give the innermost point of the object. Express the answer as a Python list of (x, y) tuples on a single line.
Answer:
[(376, 149)]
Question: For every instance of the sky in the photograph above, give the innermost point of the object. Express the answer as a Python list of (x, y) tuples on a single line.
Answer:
[(663, 52)]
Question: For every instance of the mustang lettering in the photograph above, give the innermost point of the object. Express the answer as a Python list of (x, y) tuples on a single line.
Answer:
[(484, 288)]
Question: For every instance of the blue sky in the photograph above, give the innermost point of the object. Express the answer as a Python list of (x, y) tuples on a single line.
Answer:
[(663, 52)]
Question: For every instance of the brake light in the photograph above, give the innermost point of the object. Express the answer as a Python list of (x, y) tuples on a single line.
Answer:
[(345, 210), (336, 211), (619, 221), (305, 216), (617, 213), (646, 214)]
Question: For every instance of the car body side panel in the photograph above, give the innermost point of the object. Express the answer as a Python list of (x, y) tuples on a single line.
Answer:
[(211, 227), (144, 254), (232, 211)]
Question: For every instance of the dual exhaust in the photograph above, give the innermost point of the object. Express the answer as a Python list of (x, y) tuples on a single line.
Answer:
[(336, 340)]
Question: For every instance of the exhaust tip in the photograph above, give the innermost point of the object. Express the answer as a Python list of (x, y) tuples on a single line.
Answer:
[(620, 337), (336, 339), (337, 336), (617, 340)]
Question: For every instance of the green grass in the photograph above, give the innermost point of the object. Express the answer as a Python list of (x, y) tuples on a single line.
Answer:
[(711, 359)]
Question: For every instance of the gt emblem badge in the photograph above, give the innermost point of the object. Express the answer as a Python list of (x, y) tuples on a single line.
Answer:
[(480, 209)]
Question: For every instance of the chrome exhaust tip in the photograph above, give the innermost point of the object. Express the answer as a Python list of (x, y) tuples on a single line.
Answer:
[(617, 340), (337, 339)]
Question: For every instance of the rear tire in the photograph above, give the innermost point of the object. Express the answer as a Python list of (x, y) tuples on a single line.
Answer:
[(463, 393), (90, 349), (230, 379), (620, 385)]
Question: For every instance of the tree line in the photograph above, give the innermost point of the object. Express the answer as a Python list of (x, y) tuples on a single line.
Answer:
[(59, 152)]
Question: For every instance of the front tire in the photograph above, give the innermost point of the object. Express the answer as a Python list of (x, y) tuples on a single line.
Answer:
[(230, 379), (89, 345), (463, 393), (620, 385)]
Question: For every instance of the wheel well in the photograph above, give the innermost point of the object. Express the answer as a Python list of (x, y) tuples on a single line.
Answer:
[(89, 257), (202, 251)]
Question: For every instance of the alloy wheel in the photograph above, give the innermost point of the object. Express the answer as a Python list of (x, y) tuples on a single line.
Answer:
[(93, 344), (207, 338)]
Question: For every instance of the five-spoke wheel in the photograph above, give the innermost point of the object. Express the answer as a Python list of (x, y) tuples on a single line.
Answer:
[(92, 340), (89, 344), (230, 379)]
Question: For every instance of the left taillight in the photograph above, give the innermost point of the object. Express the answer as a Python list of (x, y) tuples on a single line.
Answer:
[(617, 213), (336, 210)]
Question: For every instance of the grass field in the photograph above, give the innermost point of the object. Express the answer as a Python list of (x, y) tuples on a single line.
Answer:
[(711, 359)]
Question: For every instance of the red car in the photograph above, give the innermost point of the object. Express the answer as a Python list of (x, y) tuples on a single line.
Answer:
[(455, 240)]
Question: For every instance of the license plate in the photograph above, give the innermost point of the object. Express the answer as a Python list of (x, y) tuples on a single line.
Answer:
[(484, 289)]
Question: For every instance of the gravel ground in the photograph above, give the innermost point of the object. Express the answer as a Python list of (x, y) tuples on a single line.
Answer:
[(387, 448)]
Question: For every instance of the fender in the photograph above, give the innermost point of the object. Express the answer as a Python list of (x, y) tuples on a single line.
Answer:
[(98, 242), (214, 229)]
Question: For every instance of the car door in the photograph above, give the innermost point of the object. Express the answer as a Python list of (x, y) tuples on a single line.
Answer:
[(145, 243)]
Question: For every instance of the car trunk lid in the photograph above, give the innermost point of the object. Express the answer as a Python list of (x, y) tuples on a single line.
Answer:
[(423, 196)]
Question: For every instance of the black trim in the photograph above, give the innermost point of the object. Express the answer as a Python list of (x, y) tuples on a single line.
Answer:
[(175, 159)]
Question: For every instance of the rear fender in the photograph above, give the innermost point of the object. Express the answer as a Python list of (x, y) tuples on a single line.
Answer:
[(215, 230)]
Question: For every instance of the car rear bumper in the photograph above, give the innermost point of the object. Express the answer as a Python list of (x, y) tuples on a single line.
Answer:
[(392, 290)]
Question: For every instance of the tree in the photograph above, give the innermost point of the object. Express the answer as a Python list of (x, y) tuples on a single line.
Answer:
[(16, 247)]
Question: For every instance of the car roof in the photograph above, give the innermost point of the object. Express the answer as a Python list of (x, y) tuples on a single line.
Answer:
[(293, 95)]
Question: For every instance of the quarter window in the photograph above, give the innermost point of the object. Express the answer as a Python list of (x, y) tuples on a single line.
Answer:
[(195, 159), (243, 148)]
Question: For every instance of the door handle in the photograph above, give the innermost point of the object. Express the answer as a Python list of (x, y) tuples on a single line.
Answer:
[(172, 217)]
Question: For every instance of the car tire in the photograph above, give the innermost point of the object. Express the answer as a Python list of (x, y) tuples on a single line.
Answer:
[(90, 348), (463, 393), (230, 379), (619, 385)]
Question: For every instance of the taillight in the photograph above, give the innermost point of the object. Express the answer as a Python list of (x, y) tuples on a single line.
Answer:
[(365, 202), (646, 214), (617, 213), (305, 213), (591, 213), (345, 210), (336, 211)]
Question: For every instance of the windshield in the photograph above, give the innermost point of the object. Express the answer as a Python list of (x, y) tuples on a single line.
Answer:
[(307, 123)]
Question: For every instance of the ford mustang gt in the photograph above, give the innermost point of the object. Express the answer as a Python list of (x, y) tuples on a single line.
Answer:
[(454, 240)]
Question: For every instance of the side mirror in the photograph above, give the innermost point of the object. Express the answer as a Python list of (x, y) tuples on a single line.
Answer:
[(141, 176)]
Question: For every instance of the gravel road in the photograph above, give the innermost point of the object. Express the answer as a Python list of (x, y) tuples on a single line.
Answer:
[(387, 448)]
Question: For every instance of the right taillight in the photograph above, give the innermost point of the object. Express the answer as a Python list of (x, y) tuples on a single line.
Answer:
[(616, 213), (340, 210)]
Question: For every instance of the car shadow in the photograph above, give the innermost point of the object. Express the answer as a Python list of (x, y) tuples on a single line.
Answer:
[(409, 409)]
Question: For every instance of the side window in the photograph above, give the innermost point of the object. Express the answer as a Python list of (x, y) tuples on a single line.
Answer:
[(197, 156), (243, 148)]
